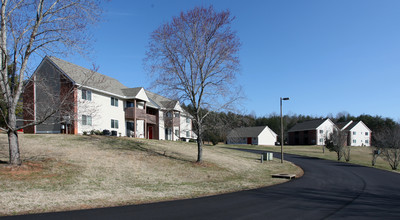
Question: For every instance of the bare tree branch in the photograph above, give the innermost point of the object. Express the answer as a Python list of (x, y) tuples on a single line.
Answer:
[(37, 27), (194, 57)]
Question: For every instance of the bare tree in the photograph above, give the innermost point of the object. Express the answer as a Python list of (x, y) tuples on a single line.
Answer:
[(35, 28), (337, 142), (387, 142), (194, 58)]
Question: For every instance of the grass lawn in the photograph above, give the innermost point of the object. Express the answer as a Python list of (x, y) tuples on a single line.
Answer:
[(358, 155), (65, 172)]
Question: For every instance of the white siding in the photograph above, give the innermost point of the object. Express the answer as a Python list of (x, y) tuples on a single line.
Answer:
[(327, 128), (140, 128), (266, 137), (186, 127), (360, 135), (161, 128), (102, 112)]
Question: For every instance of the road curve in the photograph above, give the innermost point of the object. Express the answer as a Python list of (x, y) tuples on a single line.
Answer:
[(328, 190)]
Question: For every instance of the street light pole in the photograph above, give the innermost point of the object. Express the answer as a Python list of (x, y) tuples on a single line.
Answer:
[(287, 98)]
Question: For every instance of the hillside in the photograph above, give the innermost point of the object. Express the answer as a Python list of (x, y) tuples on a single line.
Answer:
[(64, 172)]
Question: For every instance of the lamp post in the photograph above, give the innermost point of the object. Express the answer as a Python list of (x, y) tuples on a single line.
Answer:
[(286, 98)]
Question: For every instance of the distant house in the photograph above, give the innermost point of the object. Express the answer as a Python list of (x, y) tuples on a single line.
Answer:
[(358, 134), (261, 135), (313, 132), (99, 102)]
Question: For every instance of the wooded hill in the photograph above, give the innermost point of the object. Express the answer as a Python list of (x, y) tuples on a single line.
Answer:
[(218, 124)]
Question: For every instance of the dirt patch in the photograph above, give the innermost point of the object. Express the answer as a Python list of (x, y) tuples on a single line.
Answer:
[(25, 171), (31, 170), (204, 164)]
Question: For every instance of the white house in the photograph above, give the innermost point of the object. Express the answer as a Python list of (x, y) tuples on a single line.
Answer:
[(261, 135), (313, 132), (87, 100), (358, 134)]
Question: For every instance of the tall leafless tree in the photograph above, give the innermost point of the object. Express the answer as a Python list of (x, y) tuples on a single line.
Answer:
[(195, 58), (34, 28), (387, 142)]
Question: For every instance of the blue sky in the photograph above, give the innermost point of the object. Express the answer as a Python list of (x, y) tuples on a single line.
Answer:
[(327, 56)]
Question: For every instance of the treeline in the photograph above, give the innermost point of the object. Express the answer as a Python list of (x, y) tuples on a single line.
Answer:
[(218, 124)]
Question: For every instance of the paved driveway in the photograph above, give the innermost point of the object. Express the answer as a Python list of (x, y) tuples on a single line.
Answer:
[(328, 190)]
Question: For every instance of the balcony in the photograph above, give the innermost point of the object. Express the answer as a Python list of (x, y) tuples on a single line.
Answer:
[(168, 122), (130, 113), (151, 119), (140, 115)]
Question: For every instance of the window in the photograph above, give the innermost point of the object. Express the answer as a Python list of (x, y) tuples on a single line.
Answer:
[(354, 141), (176, 114), (367, 141), (366, 133), (321, 131), (86, 95), (168, 134), (114, 102), (321, 140), (114, 123), (187, 133), (177, 133), (354, 133), (169, 115), (86, 120), (129, 104), (188, 120)]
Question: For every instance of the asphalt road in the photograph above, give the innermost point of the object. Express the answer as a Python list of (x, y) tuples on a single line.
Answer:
[(328, 190)]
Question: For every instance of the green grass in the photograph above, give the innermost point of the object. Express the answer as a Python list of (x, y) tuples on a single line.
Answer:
[(65, 172), (358, 155)]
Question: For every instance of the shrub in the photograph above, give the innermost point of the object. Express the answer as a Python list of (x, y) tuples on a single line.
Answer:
[(95, 132)]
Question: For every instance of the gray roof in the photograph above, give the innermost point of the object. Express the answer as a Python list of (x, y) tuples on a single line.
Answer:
[(246, 131), (131, 92), (307, 125), (161, 101), (89, 78), (351, 126), (340, 125)]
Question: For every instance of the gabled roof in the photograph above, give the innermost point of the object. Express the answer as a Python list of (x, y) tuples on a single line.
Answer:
[(343, 125), (97, 81), (136, 93), (308, 125), (88, 78), (163, 102), (353, 124), (249, 131)]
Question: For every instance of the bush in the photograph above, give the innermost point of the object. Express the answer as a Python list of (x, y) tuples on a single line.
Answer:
[(95, 132), (85, 133)]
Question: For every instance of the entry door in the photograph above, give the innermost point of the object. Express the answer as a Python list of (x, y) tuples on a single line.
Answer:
[(249, 140), (150, 132)]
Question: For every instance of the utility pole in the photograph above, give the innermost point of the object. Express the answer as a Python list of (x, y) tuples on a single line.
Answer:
[(286, 98)]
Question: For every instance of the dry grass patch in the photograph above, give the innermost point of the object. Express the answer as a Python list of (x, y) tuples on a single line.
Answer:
[(358, 155), (64, 172)]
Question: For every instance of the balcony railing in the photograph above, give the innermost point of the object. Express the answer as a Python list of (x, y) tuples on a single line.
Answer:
[(140, 114), (130, 113), (168, 122), (151, 119)]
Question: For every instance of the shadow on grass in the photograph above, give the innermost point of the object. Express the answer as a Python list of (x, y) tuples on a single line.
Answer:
[(116, 143)]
